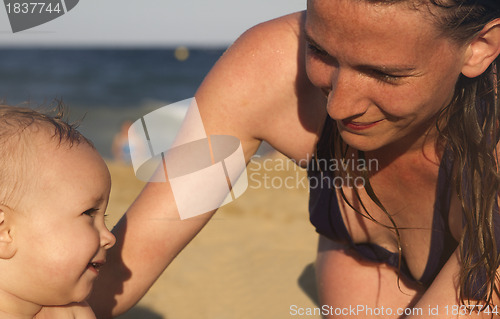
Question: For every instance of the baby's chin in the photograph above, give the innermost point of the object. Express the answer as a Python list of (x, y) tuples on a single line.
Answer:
[(81, 295), (79, 299)]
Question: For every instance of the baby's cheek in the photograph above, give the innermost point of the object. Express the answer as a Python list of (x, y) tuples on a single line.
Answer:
[(67, 281), (69, 254)]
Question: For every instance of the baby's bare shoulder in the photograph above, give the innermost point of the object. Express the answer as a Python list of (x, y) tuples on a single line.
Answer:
[(80, 310)]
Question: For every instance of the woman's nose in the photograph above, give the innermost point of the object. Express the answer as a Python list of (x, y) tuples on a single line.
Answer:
[(345, 95)]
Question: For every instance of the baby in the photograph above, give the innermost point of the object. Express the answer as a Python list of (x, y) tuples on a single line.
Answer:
[(53, 195)]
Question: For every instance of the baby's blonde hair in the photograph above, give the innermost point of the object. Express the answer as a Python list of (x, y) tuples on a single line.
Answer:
[(18, 126)]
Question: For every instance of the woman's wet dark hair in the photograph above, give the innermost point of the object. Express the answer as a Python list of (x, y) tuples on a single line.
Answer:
[(470, 128)]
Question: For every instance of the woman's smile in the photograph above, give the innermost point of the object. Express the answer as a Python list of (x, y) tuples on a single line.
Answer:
[(359, 125)]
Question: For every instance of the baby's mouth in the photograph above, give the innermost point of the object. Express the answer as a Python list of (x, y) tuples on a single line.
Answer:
[(96, 265)]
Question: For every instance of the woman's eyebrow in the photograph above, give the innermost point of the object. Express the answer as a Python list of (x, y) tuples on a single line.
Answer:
[(366, 67)]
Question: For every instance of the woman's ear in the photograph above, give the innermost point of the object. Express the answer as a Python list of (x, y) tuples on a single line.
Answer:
[(483, 50), (7, 247)]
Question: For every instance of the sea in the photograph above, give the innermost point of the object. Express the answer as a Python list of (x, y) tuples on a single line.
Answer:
[(102, 88)]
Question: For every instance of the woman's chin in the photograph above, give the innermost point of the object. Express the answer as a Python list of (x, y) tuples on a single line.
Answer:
[(362, 143)]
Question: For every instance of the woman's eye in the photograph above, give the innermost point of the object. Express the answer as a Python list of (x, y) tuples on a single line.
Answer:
[(315, 50), (386, 78)]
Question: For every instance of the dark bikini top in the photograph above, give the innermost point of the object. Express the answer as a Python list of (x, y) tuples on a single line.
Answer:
[(326, 217)]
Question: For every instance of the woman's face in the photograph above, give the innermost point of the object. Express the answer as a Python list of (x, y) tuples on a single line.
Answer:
[(386, 70)]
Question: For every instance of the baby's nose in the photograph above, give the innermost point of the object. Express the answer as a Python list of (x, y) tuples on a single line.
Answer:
[(108, 240)]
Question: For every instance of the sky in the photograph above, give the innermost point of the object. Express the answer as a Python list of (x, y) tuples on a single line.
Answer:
[(157, 23)]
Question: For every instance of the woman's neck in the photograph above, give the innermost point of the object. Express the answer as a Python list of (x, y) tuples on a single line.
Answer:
[(423, 143)]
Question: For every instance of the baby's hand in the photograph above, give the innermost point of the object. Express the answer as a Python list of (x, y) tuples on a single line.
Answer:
[(80, 310)]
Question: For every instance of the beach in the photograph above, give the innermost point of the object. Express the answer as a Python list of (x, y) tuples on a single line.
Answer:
[(253, 259)]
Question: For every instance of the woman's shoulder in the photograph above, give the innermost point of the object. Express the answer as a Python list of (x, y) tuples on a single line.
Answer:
[(296, 103), (261, 80), (266, 48), (284, 30)]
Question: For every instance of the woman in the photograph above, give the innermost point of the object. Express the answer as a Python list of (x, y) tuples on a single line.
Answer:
[(410, 84)]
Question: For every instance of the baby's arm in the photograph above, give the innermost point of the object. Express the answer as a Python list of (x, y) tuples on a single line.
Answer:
[(80, 310)]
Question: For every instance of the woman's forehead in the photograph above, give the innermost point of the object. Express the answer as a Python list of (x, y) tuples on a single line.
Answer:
[(356, 27), (345, 7)]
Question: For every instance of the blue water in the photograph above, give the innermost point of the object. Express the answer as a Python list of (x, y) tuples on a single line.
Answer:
[(108, 85)]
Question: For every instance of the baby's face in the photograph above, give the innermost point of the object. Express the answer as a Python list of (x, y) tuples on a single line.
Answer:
[(59, 234)]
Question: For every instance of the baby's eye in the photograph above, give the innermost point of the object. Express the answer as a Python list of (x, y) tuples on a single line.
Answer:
[(90, 212)]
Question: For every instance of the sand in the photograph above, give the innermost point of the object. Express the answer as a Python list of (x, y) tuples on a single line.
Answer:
[(253, 260)]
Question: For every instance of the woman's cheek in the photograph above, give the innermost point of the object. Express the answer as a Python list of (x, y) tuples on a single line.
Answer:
[(318, 73)]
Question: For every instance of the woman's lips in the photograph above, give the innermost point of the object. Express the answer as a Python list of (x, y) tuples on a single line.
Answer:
[(358, 126)]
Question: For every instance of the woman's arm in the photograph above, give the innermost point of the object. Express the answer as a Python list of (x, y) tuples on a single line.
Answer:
[(443, 298), (350, 286), (370, 289), (251, 94)]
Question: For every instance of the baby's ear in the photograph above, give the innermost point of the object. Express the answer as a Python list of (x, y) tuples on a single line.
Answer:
[(7, 248), (483, 50)]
